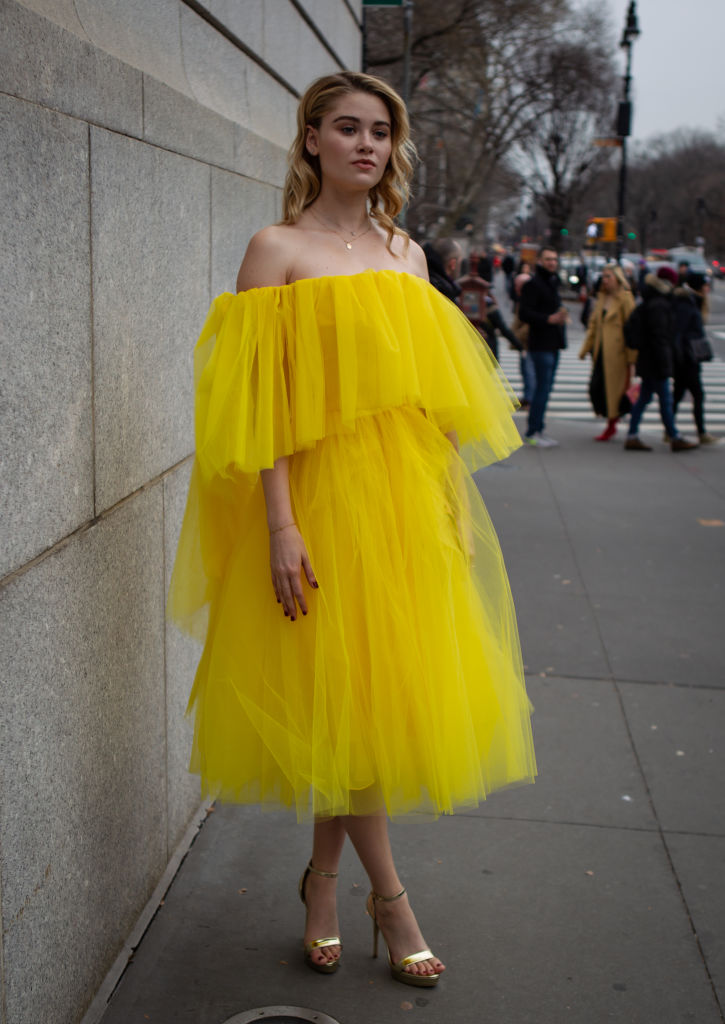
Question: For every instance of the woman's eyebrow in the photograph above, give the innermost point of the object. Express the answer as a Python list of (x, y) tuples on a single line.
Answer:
[(351, 117)]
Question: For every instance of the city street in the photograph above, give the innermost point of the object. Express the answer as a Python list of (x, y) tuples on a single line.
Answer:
[(597, 894)]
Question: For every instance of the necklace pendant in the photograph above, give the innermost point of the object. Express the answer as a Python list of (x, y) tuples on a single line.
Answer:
[(348, 245)]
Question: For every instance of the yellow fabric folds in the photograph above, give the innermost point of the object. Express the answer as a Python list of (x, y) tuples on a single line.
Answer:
[(403, 686)]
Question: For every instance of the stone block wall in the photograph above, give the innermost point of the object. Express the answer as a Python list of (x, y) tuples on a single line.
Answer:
[(140, 148)]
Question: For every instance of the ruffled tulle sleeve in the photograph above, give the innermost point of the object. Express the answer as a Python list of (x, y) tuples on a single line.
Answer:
[(277, 369)]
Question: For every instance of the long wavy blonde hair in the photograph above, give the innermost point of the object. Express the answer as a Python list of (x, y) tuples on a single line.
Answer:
[(304, 177)]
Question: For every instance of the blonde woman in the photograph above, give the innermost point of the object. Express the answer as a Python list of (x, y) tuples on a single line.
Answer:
[(378, 671), (612, 362)]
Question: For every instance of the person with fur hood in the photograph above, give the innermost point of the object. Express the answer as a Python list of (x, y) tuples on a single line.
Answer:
[(655, 361), (688, 326)]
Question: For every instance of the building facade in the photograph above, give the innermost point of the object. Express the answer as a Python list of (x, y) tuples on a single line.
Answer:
[(142, 143)]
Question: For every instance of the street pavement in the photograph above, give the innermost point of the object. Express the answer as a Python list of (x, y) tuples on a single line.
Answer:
[(595, 895)]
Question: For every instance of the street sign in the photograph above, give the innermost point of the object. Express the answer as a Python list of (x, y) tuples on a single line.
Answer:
[(612, 141)]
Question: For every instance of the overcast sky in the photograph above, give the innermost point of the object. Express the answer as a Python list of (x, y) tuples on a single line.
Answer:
[(677, 63)]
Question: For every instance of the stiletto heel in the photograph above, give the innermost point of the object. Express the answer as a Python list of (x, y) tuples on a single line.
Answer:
[(330, 966), (397, 969)]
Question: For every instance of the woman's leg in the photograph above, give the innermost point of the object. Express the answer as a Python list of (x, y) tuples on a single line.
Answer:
[(369, 836), (321, 893), (698, 399)]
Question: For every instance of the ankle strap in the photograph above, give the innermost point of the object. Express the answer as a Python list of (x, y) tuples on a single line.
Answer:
[(322, 874), (387, 899)]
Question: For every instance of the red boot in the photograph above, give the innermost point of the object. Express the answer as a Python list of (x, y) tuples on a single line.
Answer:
[(609, 432)]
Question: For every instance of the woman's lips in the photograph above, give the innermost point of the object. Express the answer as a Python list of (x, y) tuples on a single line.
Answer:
[(367, 165)]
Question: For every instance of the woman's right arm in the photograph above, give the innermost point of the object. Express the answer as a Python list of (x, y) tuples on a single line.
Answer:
[(266, 264)]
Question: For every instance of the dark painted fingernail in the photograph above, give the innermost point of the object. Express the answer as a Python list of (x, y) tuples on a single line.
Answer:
[(316, 585), (292, 618), (304, 613)]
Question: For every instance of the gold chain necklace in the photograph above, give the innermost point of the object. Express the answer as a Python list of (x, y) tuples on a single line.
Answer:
[(348, 243)]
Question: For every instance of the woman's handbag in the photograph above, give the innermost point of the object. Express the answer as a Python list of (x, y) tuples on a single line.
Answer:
[(700, 349)]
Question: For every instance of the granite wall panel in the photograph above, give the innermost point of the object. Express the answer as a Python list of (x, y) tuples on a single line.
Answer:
[(82, 758), (45, 334), (41, 62), (239, 208), (150, 228)]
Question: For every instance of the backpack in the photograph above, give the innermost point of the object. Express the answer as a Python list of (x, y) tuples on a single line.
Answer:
[(634, 327)]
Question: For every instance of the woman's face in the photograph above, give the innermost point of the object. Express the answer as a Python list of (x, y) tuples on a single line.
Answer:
[(353, 142), (609, 282)]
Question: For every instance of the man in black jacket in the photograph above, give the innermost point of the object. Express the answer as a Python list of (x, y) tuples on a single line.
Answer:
[(542, 310), (655, 362)]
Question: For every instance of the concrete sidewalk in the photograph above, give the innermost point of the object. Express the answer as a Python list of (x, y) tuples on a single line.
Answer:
[(599, 893)]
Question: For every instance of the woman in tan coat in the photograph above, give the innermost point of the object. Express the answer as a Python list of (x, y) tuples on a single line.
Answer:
[(613, 363)]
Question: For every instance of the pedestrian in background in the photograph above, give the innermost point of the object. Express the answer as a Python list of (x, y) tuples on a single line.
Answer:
[(542, 309), (477, 301), (521, 330), (612, 361), (655, 359), (443, 257), (689, 327)]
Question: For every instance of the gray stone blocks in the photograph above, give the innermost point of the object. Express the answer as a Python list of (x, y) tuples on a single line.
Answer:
[(45, 370), (82, 758), (239, 208), (56, 69), (175, 122), (141, 34), (150, 293)]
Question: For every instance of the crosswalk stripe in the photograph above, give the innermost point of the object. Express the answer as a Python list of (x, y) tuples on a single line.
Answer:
[(569, 398)]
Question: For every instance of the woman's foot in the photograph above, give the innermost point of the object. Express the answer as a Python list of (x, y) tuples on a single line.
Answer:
[(319, 895), (403, 936), (609, 431)]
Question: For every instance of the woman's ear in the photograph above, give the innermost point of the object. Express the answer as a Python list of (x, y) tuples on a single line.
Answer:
[(311, 141)]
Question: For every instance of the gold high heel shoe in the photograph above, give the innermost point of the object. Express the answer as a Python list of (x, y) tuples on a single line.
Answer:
[(332, 940), (397, 969)]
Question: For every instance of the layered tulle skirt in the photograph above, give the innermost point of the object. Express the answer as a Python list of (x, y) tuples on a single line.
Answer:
[(402, 687)]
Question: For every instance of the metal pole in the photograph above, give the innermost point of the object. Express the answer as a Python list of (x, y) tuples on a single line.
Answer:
[(407, 44), (623, 169)]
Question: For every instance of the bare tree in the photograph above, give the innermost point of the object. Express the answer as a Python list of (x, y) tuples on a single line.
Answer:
[(558, 157), (476, 91), (676, 192)]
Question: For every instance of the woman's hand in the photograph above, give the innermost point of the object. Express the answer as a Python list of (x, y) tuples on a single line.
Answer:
[(288, 556)]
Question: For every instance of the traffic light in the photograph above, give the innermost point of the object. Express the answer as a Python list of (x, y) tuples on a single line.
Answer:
[(564, 232), (631, 235), (603, 229)]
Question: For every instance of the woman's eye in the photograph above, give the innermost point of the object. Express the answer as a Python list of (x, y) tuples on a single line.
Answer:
[(381, 134), (347, 129)]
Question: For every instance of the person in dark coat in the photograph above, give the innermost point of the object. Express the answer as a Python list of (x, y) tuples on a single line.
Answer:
[(689, 325), (443, 256), (542, 309), (655, 362)]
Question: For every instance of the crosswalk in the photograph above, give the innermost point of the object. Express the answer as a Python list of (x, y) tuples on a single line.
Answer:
[(570, 396)]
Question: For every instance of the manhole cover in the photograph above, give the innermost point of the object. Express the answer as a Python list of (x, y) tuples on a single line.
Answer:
[(281, 1015)]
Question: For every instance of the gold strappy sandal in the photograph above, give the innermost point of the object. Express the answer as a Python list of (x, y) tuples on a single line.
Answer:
[(332, 940), (398, 970)]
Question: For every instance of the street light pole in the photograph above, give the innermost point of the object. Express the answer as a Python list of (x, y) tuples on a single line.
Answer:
[(624, 119)]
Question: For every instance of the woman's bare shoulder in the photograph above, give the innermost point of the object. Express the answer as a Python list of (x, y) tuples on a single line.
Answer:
[(267, 259), (417, 260)]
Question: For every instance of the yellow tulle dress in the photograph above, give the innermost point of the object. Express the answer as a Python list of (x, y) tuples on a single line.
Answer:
[(403, 686)]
